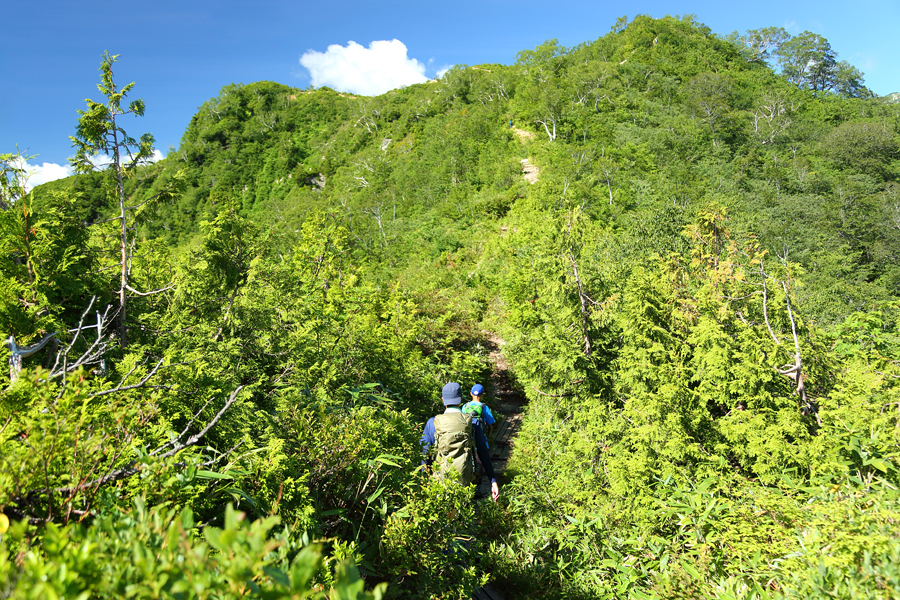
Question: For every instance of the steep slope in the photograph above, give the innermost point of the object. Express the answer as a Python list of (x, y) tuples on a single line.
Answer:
[(660, 114)]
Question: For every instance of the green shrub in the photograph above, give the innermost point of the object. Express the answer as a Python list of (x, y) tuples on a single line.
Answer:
[(159, 553), (428, 547)]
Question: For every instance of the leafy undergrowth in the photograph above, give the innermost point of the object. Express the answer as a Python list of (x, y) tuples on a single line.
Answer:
[(712, 540)]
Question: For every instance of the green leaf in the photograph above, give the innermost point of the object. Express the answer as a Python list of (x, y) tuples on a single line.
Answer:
[(212, 475), (881, 465), (278, 576), (237, 493), (690, 570), (213, 535), (384, 459), (375, 496), (304, 567)]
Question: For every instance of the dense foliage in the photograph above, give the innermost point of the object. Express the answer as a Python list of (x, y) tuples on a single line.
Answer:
[(697, 289)]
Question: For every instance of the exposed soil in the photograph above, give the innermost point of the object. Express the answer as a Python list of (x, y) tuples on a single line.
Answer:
[(529, 172), (523, 135)]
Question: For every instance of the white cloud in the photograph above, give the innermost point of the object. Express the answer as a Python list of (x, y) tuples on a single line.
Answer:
[(100, 160), (45, 172), (370, 71), (38, 174), (104, 160), (443, 71)]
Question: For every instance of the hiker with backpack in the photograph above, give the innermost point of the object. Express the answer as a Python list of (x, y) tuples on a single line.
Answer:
[(481, 412), (456, 438)]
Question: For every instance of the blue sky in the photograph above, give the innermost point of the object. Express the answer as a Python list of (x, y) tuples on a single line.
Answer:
[(181, 53)]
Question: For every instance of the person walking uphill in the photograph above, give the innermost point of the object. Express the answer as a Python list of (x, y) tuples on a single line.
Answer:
[(481, 412), (453, 435)]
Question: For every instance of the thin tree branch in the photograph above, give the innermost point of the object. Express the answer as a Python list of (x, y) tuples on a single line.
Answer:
[(104, 221), (234, 296), (196, 438), (130, 470), (183, 432), (552, 395), (213, 461), (120, 387), (134, 291), (585, 323)]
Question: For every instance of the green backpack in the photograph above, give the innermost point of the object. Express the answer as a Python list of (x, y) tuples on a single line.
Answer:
[(475, 409), (455, 447)]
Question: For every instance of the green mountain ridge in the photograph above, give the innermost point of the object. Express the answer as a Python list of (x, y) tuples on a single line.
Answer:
[(660, 105)]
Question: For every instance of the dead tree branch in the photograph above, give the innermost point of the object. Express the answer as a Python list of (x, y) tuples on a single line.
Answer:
[(17, 354), (585, 318), (793, 371), (150, 293), (23, 505), (143, 382), (765, 293), (796, 371), (122, 388)]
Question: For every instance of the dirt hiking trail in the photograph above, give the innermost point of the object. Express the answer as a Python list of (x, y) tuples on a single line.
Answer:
[(507, 405)]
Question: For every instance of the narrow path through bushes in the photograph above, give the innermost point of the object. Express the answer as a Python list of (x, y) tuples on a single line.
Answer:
[(507, 405)]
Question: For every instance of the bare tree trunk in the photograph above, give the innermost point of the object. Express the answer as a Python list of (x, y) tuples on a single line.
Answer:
[(585, 322), (123, 282), (765, 293), (794, 372), (550, 135)]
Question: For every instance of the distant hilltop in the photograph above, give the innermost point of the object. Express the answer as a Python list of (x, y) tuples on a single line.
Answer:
[(892, 98)]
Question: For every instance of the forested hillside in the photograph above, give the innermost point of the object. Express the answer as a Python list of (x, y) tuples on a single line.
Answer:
[(686, 243)]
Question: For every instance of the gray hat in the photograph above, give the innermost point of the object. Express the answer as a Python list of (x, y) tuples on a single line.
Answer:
[(451, 394)]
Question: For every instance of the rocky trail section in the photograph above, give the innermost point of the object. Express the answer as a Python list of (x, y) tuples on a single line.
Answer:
[(529, 171)]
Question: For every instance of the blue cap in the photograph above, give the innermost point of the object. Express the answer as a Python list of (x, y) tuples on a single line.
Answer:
[(477, 389), (451, 394)]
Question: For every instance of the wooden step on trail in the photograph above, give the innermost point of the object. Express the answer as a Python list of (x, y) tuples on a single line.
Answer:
[(501, 444), (486, 593), (502, 441)]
